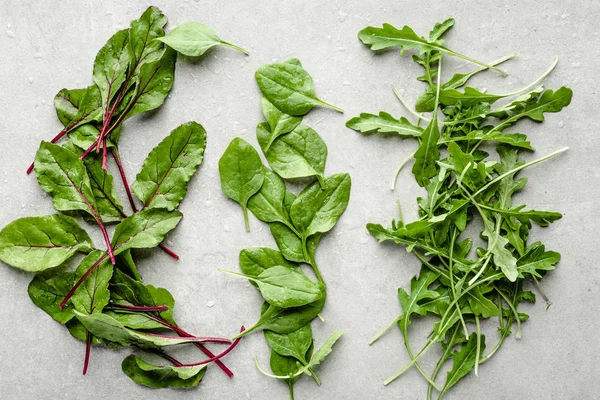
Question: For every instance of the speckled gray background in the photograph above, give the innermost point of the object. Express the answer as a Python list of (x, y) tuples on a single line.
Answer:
[(50, 45)]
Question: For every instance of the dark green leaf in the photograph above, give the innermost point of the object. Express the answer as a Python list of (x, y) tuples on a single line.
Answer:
[(279, 122), (48, 293), (153, 376)]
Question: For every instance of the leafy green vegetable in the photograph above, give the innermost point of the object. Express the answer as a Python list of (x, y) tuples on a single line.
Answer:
[(292, 300), (289, 87), (39, 243), (144, 373), (162, 182), (241, 173), (194, 39), (459, 286)]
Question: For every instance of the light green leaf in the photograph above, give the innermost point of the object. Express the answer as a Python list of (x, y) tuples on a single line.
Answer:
[(427, 154), (267, 204), (194, 39), (384, 123), (92, 295), (107, 203), (110, 67), (39, 243), (255, 261), (162, 182)]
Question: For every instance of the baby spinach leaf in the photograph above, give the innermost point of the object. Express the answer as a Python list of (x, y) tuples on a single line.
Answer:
[(289, 87), (298, 154), (162, 182), (290, 244), (144, 229), (294, 344), (279, 122), (39, 243), (383, 123), (48, 292), (316, 210), (194, 39), (286, 320), (255, 261), (241, 173), (267, 204), (144, 373), (284, 287)]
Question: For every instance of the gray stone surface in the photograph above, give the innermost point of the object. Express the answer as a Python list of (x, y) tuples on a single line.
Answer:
[(50, 45)]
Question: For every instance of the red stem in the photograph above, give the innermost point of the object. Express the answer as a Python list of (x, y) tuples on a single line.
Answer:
[(198, 339), (200, 346), (169, 251), (88, 348), (54, 140), (218, 356), (80, 281), (171, 359), (104, 158)]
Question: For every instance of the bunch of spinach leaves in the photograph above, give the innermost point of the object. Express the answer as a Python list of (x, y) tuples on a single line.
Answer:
[(458, 285), (297, 222), (104, 302)]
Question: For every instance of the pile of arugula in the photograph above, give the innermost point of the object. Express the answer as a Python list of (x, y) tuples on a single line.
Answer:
[(104, 302), (297, 222), (457, 285)]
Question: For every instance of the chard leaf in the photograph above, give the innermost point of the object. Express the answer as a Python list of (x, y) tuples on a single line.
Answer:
[(162, 182), (241, 173), (384, 123), (316, 209), (194, 39), (279, 122), (48, 292), (289, 87), (38, 243), (110, 67), (153, 376), (63, 176), (144, 229), (108, 328), (298, 154), (108, 205), (92, 295), (142, 46)]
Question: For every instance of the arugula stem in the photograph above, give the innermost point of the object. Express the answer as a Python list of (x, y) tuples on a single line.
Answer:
[(405, 104), (88, 348), (534, 83), (516, 169), (441, 361), (386, 330), (478, 349), (402, 164), (539, 288), (513, 309), (410, 354), (410, 364), (472, 60)]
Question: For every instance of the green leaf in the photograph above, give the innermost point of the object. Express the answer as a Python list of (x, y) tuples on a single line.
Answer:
[(141, 46), (294, 344), (255, 261), (38, 243), (542, 218), (286, 320), (427, 154), (316, 209), (241, 173), (284, 366), (549, 101), (267, 204), (513, 139), (107, 203), (536, 259), (298, 154), (63, 176), (279, 122), (285, 288), (135, 320), (464, 361), (144, 229), (384, 123), (48, 293), (153, 376), (194, 39), (323, 351), (481, 305), (110, 67), (290, 244), (92, 295), (289, 87), (162, 182), (503, 257), (419, 291), (76, 108), (108, 328), (439, 29), (126, 265)]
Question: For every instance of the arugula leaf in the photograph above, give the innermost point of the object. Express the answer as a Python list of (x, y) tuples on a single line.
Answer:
[(464, 361), (194, 39), (241, 173), (39, 243), (427, 154), (300, 153), (289, 87), (153, 376), (384, 123), (162, 182)]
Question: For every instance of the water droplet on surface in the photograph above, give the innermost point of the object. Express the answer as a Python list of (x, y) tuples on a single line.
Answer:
[(30, 79), (561, 124), (210, 303), (38, 55), (10, 34)]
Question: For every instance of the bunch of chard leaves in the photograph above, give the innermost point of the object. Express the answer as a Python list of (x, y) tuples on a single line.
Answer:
[(297, 221), (459, 286), (104, 301)]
